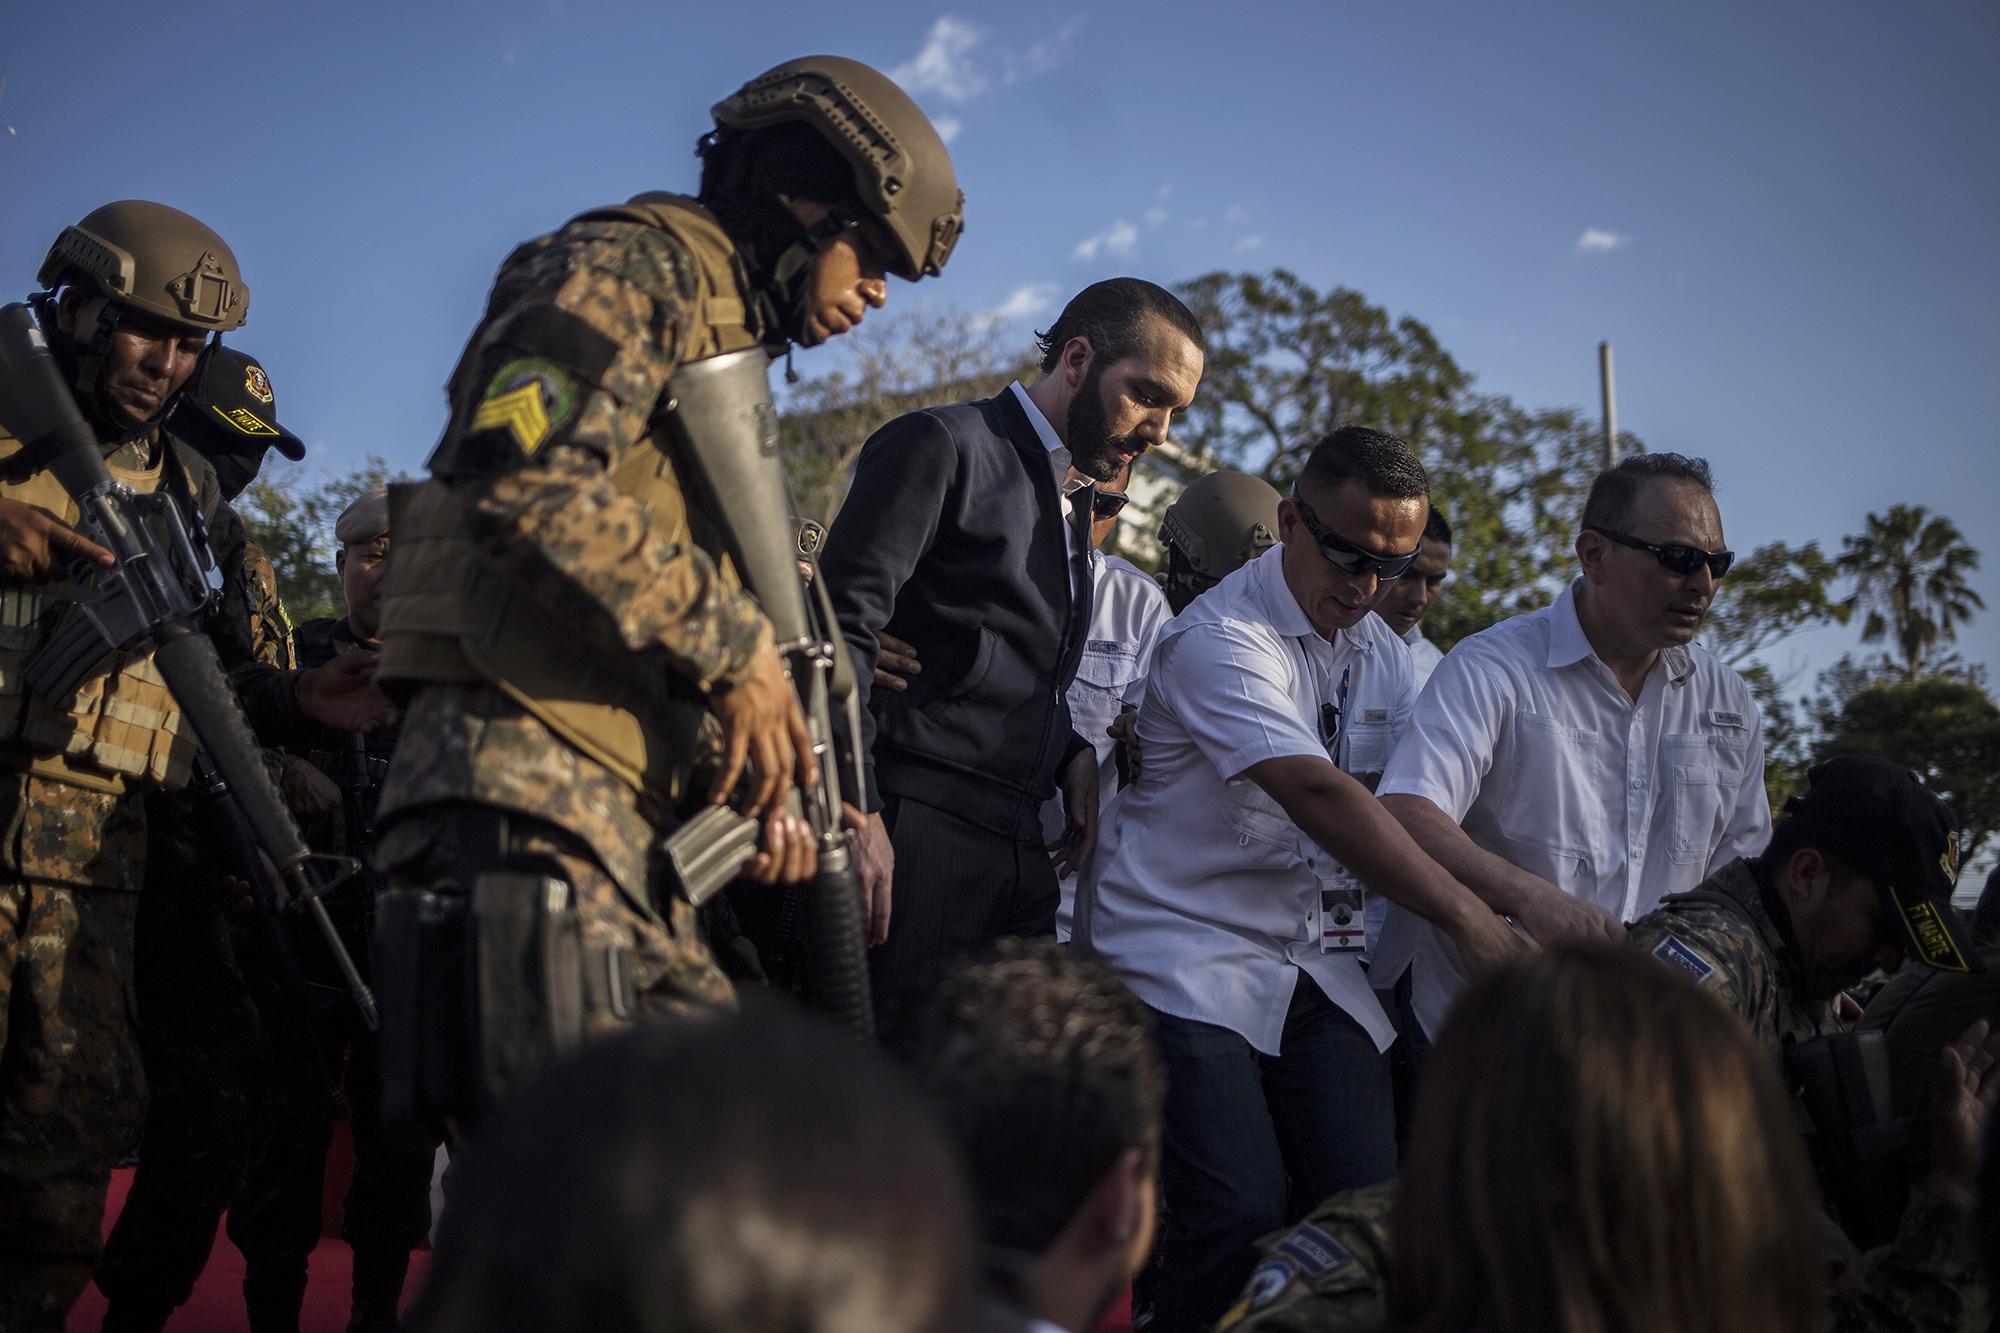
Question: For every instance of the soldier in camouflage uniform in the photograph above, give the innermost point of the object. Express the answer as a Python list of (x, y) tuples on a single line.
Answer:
[(558, 614), (217, 1036)]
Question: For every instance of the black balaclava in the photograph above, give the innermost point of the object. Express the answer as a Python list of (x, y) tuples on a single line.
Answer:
[(743, 174)]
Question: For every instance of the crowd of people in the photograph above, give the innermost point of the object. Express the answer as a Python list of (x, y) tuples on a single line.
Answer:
[(1228, 943)]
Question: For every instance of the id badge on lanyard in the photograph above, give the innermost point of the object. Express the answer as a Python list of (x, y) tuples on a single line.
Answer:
[(1342, 899)]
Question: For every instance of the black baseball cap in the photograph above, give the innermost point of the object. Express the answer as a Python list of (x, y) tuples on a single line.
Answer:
[(229, 405), (1878, 817)]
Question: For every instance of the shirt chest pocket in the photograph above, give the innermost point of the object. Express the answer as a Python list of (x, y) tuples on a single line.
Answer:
[(1108, 666), (1707, 771), (1365, 751), (1258, 822), (1551, 797)]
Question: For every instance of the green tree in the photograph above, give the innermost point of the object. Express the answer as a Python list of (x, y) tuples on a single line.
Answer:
[(1910, 571), (1947, 729), (1287, 364), (292, 520), (1770, 595)]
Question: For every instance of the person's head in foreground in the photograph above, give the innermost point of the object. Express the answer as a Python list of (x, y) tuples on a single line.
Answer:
[(1599, 1146), (747, 1173), (1044, 1067)]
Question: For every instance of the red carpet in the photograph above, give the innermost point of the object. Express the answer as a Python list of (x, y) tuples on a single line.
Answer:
[(217, 1304)]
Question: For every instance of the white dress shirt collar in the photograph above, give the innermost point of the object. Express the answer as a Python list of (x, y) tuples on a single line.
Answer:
[(1059, 454), (1568, 643), (1282, 609)]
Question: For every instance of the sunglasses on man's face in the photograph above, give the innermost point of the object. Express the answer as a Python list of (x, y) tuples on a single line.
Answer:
[(1344, 555), (1107, 504), (1674, 557)]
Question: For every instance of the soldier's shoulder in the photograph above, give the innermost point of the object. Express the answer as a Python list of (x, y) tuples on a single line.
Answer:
[(316, 639), (655, 256), (1711, 943), (1326, 1273)]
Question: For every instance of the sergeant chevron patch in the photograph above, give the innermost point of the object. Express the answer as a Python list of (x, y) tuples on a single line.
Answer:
[(528, 399)]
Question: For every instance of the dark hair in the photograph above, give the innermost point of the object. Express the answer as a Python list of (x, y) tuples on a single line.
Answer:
[(1435, 528), (1045, 1068), (1791, 835), (1383, 465), (1112, 315), (1600, 1145), (1615, 493), (752, 1171)]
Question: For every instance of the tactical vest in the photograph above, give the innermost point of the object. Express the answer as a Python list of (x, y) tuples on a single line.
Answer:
[(449, 617), (121, 725)]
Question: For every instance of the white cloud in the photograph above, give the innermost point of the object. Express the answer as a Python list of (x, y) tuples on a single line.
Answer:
[(947, 127), (1248, 243), (1237, 216), (1156, 217), (1117, 239), (1040, 58), (1166, 191), (1598, 240), (1025, 302), (945, 66)]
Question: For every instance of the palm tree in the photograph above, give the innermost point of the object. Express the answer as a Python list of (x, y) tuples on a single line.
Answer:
[(1910, 571)]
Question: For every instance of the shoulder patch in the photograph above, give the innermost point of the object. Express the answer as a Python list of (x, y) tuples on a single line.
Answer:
[(528, 398), (1672, 950), (1313, 1250)]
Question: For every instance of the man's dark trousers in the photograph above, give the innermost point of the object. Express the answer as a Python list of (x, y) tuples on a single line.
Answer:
[(957, 886)]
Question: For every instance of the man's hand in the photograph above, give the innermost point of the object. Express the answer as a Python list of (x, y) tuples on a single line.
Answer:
[(1125, 730), (1079, 836), (761, 723), (1486, 943), (875, 867), (895, 663), (315, 801), (341, 694), (35, 544), (1966, 1092), (787, 854), (1553, 915)]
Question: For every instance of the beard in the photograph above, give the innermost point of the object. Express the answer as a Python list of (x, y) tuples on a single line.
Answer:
[(1093, 451)]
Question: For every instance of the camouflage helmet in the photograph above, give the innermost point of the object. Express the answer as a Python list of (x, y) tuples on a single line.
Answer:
[(902, 172), (152, 258), (1221, 522)]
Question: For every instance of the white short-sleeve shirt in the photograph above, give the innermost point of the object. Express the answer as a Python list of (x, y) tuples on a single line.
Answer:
[(1127, 612), (1204, 896), (1424, 655), (1526, 739)]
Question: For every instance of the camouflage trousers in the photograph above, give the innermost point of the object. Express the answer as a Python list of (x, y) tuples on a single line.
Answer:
[(671, 971), (72, 1090)]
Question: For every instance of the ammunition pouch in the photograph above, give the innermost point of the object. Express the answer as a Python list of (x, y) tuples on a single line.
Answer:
[(1859, 1146), (482, 986)]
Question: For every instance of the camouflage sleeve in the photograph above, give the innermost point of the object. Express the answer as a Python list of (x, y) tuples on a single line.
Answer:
[(241, 626), (581, 337), (1714, 951), (1926, 1280), (1326, 1275)]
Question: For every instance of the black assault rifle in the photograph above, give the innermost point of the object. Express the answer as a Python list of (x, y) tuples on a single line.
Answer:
[(157, 587)]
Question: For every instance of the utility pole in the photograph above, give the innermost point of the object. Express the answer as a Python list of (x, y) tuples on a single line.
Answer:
[(1610, 404)]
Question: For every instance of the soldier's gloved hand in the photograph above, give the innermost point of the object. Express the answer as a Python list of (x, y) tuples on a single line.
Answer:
[(1968, 1087), (238, 896), (341, 694), (762, 725), (315, 801), (788, 853), (875, 867), (35, 544), (895, 663)]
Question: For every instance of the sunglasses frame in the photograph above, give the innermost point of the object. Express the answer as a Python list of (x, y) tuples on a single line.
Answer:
[(1351, 560), (1097, 498), (1664, 552)]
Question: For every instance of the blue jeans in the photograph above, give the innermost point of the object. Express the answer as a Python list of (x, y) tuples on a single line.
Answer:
[(1253, 1142)]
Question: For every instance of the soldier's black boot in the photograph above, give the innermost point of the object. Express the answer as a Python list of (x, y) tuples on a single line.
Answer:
[(130, 1316), (378, 1288), (273, 1295)]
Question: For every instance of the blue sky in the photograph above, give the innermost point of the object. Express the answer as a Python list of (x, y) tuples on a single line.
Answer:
[(1781, 213)]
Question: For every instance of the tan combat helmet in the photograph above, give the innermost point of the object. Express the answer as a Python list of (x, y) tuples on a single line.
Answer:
[(152, 258), (1222, 521), (902, 172)]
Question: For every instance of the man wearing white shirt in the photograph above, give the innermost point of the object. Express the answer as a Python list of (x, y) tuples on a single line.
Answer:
[(962, 533), (1405, 600), (1576, 765), (1229, 895)]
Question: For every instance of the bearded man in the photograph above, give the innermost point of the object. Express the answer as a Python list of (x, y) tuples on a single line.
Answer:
[(966, 533)]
